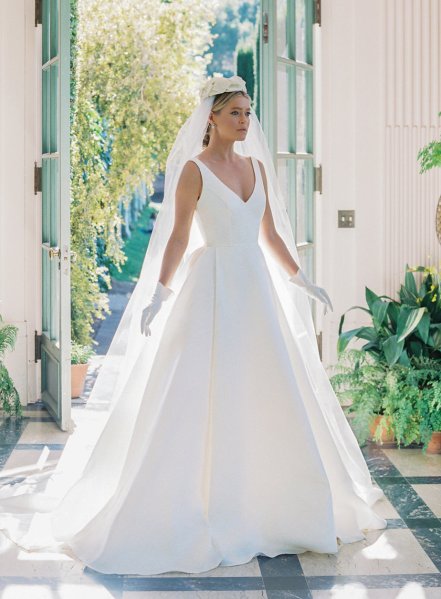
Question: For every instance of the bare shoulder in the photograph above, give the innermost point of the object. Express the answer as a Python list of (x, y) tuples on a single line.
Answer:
[(190, 180), (190, 173), (190, 168)]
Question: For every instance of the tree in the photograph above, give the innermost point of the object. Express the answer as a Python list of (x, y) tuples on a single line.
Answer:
[(138, 69)]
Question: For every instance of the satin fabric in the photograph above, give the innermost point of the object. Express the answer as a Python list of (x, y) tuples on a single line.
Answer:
[(230, 455)]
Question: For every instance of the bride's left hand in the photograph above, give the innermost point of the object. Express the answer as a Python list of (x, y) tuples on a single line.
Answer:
[(314, 291)]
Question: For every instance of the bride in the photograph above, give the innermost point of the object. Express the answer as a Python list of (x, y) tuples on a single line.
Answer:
[(222, 438)]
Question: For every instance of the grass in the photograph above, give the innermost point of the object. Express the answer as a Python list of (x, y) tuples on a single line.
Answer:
[(134, 248)]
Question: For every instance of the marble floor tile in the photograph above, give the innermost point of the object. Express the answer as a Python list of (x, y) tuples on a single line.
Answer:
[(43, 432), (412, 462), (17, 562), (385, 509), (407, 502), (29, 457), (227, 594), (394, 551), (430, 494), (359, 591), (249, 569), (51, 589)]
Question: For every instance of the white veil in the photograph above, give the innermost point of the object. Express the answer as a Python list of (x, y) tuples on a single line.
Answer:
[(119, 386)]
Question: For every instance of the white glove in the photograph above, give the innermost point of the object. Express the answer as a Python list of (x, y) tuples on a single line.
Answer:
[(318, 293), (160, 294)]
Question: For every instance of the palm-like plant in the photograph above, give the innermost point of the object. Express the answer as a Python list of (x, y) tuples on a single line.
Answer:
[(9, 398), (401, 329)]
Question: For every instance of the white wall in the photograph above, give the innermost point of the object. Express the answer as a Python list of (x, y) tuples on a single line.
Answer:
[(19, 208), (379, 105)]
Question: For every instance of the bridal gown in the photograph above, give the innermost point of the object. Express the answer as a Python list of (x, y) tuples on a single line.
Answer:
[(230, 455)]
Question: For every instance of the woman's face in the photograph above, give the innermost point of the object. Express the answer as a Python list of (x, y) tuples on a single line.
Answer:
[(233, 120)]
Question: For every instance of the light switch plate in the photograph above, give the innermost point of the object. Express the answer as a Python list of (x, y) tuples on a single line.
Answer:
[(346, 219)]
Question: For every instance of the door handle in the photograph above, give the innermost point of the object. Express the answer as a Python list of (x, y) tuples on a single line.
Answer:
[(54, 252)]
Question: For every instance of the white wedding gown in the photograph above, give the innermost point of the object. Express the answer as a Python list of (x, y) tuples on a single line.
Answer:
[(230, 455)]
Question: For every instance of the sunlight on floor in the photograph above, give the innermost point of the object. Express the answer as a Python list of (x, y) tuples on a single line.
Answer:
[(381, 549)]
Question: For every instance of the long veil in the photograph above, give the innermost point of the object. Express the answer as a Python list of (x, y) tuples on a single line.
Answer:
[(112, 408)]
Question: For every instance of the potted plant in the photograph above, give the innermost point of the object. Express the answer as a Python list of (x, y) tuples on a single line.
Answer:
[(400, 329), (359, 383), (9, 397), (429, 404), (80, 355), (404, 349)]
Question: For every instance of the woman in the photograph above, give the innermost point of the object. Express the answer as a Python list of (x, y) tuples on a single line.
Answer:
[(224, 438), (227, 125)]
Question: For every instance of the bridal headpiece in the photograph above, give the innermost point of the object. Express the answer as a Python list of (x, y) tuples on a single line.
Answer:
[(219, 85)]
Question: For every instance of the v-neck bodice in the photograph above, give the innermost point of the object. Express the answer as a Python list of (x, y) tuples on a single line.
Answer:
[(224, 218)]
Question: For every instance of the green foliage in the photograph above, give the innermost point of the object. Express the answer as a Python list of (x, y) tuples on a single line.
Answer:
[(359, 381), (9, 397), (80, 354), (401, 329), (134, 249), (138, 68), (245, 66), (234, 25), (408, 397), (430, 155)]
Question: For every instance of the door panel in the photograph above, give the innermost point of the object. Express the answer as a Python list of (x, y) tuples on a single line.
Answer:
[(287, 113), (55, 231)]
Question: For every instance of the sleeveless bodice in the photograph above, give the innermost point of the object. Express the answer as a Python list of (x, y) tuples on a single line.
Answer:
[(223, 217)]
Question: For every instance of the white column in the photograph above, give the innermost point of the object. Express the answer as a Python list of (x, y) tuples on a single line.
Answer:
[(19, 208)]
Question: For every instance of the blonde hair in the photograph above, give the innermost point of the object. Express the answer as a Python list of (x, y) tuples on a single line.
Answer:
[(219, 102)]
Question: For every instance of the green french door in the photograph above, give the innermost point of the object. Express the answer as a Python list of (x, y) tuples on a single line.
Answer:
[(287, 101), (55, 229)]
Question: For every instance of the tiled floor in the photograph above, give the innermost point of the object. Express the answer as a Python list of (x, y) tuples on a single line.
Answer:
[(403, 561)]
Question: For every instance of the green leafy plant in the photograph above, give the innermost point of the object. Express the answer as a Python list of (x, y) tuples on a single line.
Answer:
[(9, 397), (359, 383), (430, 155), (137, 68), (408, 398), (404, 328), (428, 380), (397, 372), (80, 354)]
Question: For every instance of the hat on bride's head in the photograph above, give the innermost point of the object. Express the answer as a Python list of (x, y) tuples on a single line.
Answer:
[(219, 85)]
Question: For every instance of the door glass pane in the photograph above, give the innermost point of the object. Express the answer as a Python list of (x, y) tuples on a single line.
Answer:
[(45, 37), (55, 299), (304, 111), (285, 28), (54, 108), (45, 200), (304, 201), (306, 256), (45, 282), (286, 98), (54, 28), (45, 106), (54, 199), (303, 35), (286, 173)]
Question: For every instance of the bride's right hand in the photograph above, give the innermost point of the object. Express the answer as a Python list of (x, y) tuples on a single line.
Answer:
[(160, 295)]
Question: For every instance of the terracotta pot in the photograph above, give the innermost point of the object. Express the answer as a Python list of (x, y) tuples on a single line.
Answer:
[(386, 436), (435, 443), (78, 378)]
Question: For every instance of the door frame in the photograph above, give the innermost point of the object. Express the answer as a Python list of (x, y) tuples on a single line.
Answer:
[(54, 343)]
